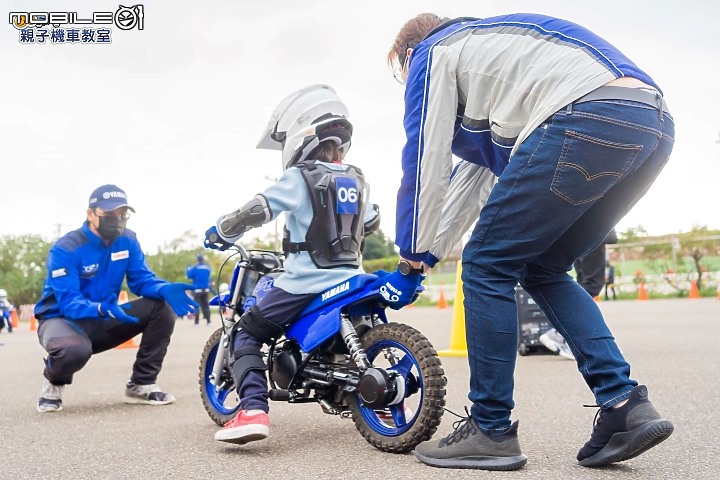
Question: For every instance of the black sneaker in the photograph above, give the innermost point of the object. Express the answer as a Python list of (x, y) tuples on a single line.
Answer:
[(625, 432), (468, 447)]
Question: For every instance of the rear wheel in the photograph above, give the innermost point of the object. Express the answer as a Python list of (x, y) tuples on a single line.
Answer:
[(398, 428), (220, 399)]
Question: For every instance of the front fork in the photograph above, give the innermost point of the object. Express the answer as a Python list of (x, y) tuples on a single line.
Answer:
[(222, 351)]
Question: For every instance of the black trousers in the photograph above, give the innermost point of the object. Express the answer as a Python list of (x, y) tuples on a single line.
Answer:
[(281, 308), (70, 344), (590, 270), (202, 298)]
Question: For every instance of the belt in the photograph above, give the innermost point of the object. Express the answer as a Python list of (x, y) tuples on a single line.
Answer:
[(640, 95)]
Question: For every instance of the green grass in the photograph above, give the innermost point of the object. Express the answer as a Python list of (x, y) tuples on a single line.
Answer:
[(685, 264)]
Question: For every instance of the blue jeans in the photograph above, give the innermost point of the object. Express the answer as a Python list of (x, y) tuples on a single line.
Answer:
[(564, 189)]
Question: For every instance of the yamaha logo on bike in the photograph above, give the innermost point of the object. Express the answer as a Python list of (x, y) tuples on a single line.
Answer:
[(343, 287), (39, 28)]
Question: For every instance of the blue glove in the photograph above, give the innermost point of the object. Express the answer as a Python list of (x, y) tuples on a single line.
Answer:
[(110, 308), (214, 241), (397, 289), (380, 273), (174, 294)]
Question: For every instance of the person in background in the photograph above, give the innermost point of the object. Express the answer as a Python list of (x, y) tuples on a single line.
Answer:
[(610, 280), (6, 309), (200, 275), (575, 133), (79, 315), (590, 268)]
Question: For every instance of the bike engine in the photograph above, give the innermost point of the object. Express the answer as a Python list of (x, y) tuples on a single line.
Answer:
[(378, 388), (284, 367)]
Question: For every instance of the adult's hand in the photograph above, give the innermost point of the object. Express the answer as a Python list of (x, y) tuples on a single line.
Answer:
[(110, 308), (397, 289), (174, 294)]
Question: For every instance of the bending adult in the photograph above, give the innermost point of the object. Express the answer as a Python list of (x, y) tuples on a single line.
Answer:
[(575, 133)]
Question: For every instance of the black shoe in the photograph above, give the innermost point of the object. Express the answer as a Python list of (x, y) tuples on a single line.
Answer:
[(468, 447), (625, 432)]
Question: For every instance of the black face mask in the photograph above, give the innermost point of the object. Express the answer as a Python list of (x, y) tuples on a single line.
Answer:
[(110, 227)]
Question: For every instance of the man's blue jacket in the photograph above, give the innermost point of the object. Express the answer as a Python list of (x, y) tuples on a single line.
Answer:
[(82, 272)]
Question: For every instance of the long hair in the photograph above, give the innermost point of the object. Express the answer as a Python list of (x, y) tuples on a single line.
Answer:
[(327, 151), (410, 35)]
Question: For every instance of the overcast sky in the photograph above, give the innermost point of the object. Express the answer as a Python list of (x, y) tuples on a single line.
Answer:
[(172, 113)]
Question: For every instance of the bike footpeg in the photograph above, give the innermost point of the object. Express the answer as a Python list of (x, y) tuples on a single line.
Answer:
[(279, 395)]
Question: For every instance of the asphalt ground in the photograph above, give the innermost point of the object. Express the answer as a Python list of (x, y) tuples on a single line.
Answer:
[(672, 346)]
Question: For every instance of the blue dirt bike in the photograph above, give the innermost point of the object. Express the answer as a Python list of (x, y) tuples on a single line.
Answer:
[(341, 353)]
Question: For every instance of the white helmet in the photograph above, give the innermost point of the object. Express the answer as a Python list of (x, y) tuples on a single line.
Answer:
[(3, 293), (303, 120)]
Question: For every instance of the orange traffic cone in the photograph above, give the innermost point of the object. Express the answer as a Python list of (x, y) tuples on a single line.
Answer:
[(128, 344), (596, 298), (642, 293), (123, 297), (442, 303), (33, 322), (14, 318), (693, 290), (458, 342)]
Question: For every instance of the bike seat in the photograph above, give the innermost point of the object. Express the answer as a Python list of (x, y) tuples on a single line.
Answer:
[(338, 292)]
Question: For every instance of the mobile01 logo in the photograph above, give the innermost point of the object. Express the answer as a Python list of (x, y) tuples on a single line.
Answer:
[(71, 27)]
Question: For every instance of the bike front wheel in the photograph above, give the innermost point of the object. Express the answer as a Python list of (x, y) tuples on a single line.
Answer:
[(219, 397), (400, 427)]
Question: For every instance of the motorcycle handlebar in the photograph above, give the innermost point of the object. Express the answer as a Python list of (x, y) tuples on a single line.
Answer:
[(215, 238)]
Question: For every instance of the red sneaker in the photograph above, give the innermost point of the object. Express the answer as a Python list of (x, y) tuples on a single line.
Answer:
[(244, 428)]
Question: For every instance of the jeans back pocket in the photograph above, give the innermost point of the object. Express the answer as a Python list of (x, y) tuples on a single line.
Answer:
[(589, 166)]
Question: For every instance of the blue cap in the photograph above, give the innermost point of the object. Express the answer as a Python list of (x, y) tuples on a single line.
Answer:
[(108, 197)]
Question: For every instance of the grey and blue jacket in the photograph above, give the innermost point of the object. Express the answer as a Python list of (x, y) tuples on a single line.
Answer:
[(477, 89)]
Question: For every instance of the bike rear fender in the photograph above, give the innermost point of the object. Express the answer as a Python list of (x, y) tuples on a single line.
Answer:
[(320, 320)]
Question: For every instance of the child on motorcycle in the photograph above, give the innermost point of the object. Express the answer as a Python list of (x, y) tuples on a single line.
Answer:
[(327, 215)]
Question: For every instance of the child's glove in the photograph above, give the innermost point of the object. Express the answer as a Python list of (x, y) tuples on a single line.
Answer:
[(397, 289), (214, 241)]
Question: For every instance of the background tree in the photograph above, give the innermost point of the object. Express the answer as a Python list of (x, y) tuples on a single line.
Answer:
[(659, 258), (698, 243), (633, 234), (378, 245), (23, 260)]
